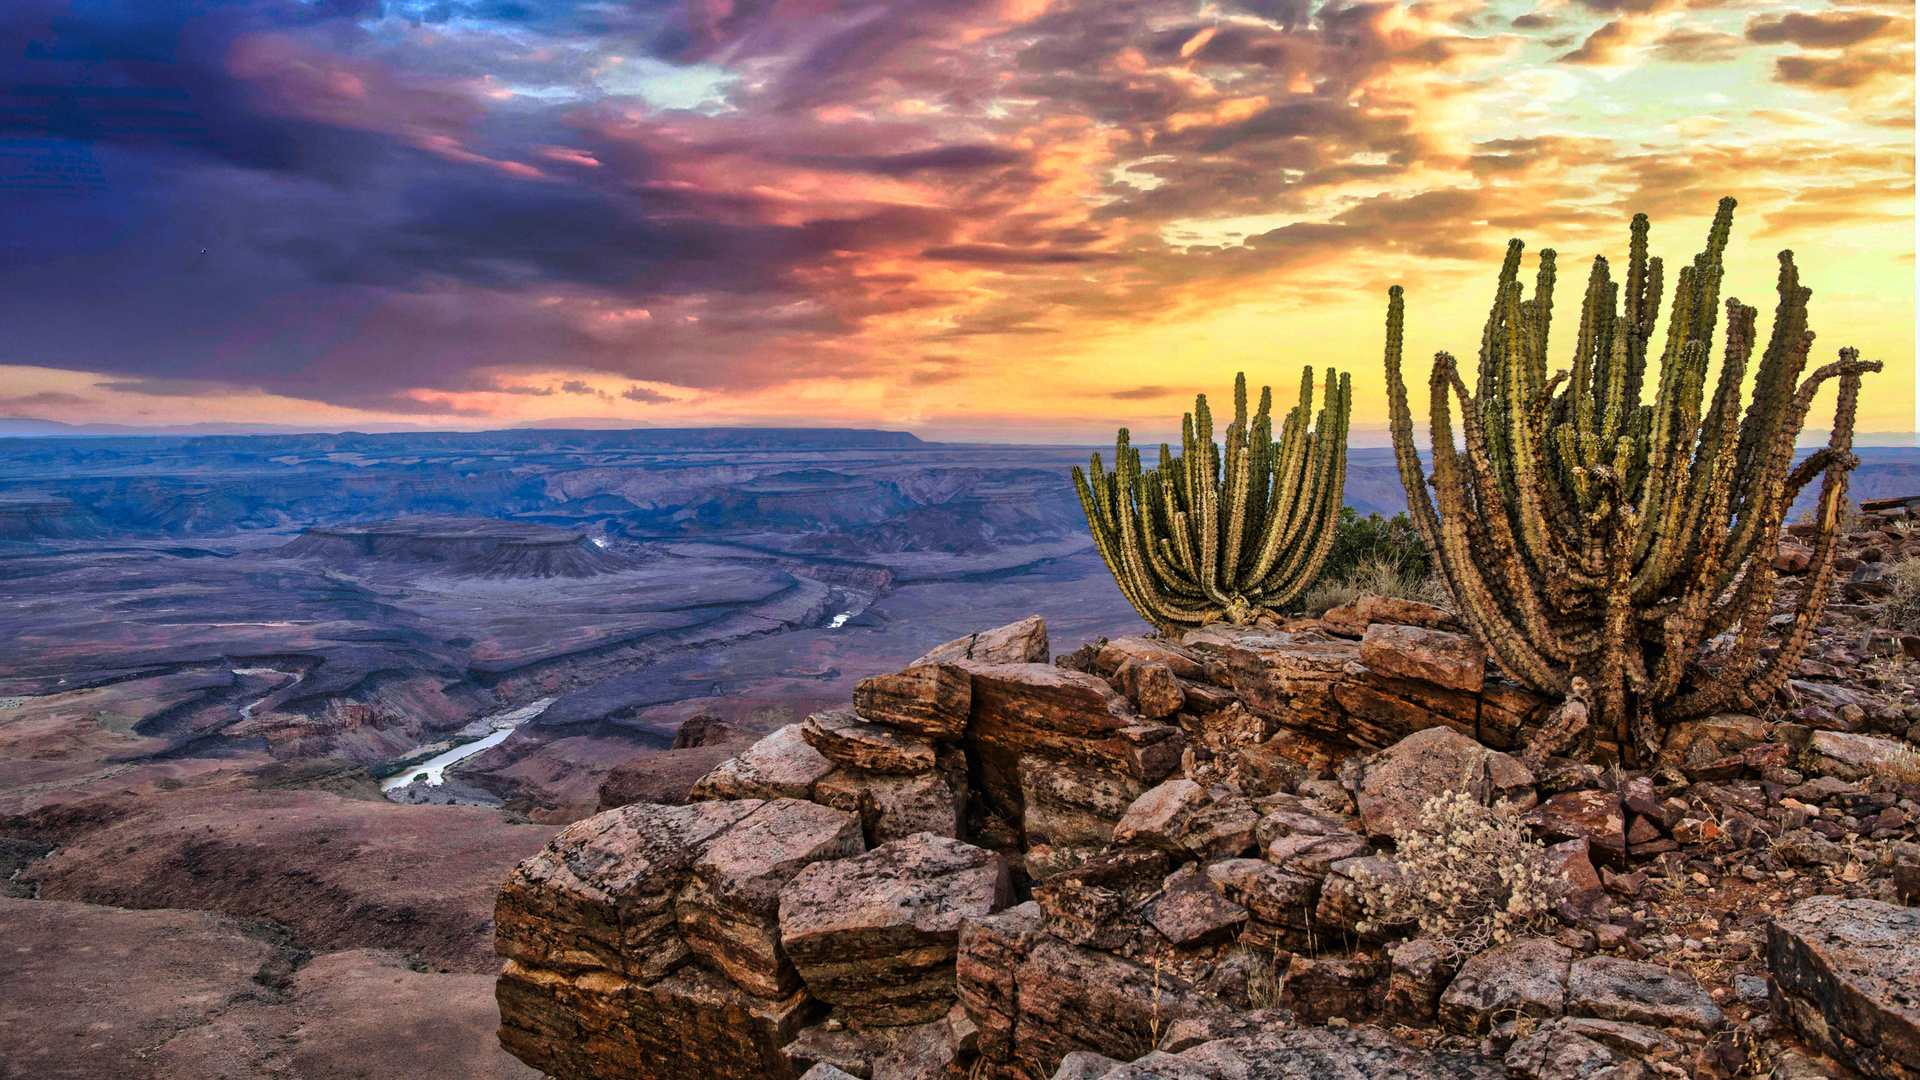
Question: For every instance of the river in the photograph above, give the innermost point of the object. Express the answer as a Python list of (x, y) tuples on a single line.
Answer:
[(492, 731)]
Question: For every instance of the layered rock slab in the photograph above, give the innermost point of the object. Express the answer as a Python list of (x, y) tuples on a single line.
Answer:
[(877, 933), (1305, 1054), (844, 738), (1846, 975)]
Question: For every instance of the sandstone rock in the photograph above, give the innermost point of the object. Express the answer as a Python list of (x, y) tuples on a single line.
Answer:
[(1593, 816), (824, 1071), (1078, 999), (845, 739), (991, 952), (1341, 909), (1151, 686), (891, 806), (601, 895), (1571, 861), (1522, 978), (1435, 656), (1209, 1027), (1351, 619), (1316, 1052), (1115, 653), (1320, 988), (1190, 912), (1085, 1065), (1270, 894), (1415, 979), (780, 766), (1394, 783), (1706, 740), (931, 699), (1803, 848), (1385, 709), (877, 933), (1314, 856), (1845, 974), (1222, 829), (1159, 817), (729, 909), (1852, 757), (1070, 810), (1614, 989), (1281, 675), (1099, 903), (1046, 698), (1551, 1053), (695, 1025), (1023, 642), (1506, 709)]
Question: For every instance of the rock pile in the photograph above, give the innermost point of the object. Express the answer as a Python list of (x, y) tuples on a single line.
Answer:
[(1147, 858)]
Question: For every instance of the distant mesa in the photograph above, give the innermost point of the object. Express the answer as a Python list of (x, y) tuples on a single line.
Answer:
[(25, 516), (485, 547)]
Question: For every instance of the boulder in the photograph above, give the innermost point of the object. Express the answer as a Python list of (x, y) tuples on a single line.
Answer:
[(845, 739), (1318, 989), (1070, 812), (1314, 856), (991, 952), (1220, 830), (1522, 978), (1159, 818), (1282, 676), (931, 699), (695, 1025), (600, 896), (729, 909), (877, 933), (780, 766), (1854, 757), (1099, 902), (1436, 656), (1387, 709), (1072, 998), (1023, 642), (1611, 988), (1594, 816), (1352, 618), (1045, 698), (1190, 912), (1393, 784), (891, 806), (1115, 652), (1415, 977), (1322, 1053), (1151, 686), (1279, 903), (1845, 975), (1710, 739), (1553, 1053)]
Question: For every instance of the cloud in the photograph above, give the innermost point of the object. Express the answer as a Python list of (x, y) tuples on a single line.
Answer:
[(1696, 45), (19, 406), (1139, 393), (1817, 30), (645, 395)]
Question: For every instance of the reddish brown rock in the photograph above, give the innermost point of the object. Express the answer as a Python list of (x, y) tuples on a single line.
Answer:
[(877, 933), (1595, 816), (780, 766), (698, 1026), (1436, 656), (1047, 698), (1524, 978), (1352, 618), (1070, 812), (1611, 988), (1284, 676), (1151, 686), (1843, 975), (845, 739), (1023, 642), (1387, 709), (729, 909), (1318, 989), (1415, 979), (1098, 902), (931, 699), (1394, 783), (1159, 817), (1118, 651), (601, 895), (1314, 856), (890, 806), (1189, 911)]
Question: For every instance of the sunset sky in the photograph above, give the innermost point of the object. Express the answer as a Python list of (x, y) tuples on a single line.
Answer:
[(1007, 220)]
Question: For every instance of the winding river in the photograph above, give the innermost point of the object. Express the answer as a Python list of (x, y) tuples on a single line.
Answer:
[(492, 731)]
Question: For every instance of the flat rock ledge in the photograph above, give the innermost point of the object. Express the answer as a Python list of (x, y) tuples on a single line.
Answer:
[(1845, 974)]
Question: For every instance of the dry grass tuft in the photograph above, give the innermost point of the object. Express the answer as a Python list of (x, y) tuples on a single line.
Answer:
[(1379, 576), (1471, 877), (1901, 609)]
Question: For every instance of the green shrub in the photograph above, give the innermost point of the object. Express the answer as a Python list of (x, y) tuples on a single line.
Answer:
[(1359, 542)]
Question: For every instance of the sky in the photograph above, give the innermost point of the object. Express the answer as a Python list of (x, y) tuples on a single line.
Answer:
[(999, 220)]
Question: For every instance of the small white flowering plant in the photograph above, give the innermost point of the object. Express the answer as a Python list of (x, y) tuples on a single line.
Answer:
[(1470, 877)]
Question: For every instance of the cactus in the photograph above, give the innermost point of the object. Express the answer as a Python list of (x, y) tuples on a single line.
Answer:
[(1591, 533), (1213, 536)]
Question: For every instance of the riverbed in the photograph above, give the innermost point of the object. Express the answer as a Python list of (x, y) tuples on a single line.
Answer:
[(486, 733)]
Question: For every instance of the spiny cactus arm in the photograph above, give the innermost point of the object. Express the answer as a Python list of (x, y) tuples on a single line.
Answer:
[(1464, 539), (1237, 486), (1321, 506), (1154, 530), (1683, 627), (1105, 538), (1737, 682), (1260, 491), (1760, 495), (1710, 472), (1291, 475), (1779, 364)]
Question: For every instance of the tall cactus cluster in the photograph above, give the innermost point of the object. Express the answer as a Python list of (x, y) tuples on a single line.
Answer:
[(1604, 525), (1212, 536)]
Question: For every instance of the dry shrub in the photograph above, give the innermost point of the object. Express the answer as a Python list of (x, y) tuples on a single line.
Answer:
[(1901, 609), (1471, 877), (1901, 765), (1379, 576)]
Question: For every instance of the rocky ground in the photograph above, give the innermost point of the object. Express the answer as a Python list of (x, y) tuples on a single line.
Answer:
[(1153, 859)]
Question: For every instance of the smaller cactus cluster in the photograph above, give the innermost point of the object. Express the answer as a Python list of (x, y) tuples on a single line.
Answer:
[(1229, 534)]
